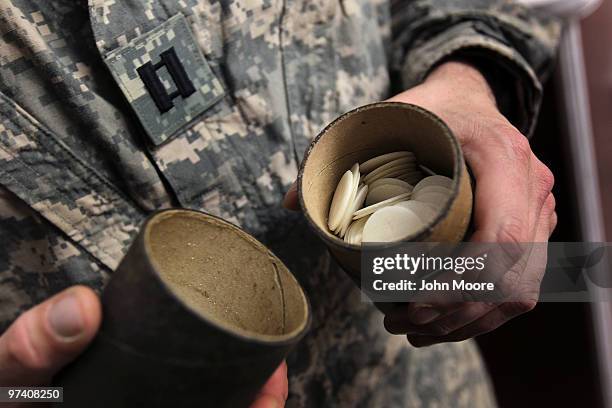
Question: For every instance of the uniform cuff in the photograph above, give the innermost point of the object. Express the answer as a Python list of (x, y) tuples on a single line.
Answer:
[(517, 88)]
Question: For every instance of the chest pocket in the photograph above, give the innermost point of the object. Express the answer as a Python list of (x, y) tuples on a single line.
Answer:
[(39, 169), (213, 135)]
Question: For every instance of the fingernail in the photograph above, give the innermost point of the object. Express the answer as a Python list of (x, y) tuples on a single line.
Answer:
[(423, 314), (65, 317)]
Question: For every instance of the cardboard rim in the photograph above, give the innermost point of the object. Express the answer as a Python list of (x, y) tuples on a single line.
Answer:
[(427, 230), (246, 335)]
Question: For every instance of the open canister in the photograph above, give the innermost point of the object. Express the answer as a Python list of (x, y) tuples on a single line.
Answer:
[(369, 131), (199, 313)]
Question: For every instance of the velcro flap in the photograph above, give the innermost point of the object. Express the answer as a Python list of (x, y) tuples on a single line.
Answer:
[(165, 78)]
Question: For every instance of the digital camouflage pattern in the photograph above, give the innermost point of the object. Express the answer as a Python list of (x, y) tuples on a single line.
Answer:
[(79, 173), (123, 63)]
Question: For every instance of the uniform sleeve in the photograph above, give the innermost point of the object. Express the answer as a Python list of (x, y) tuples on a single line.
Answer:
[(36, 260), (513, 46)]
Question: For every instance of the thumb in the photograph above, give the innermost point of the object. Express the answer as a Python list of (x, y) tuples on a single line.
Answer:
[(274, 392), (48, 336)]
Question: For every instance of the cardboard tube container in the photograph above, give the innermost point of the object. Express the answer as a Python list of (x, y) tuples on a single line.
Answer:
[(367, 132), (199, 313)]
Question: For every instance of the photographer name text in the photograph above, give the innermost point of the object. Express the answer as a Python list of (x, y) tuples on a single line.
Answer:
[(432, 286)]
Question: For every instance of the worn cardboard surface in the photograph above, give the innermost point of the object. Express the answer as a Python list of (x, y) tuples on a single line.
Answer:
[(365, 133), (225, 275)]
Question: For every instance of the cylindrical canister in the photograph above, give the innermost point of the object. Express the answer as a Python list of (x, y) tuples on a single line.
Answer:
[(198, 313), (369, 131)]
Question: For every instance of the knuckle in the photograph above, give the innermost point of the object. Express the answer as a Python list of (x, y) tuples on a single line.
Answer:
[(507, 285), (553, 220), (545, 181), (547, 178), (550, 204), (518, 145), (525, 306), (509, 268), (512, 232), (529, 290), (512, 309)]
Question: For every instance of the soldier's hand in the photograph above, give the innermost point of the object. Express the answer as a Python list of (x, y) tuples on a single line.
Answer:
[(513, 201), (48, 336)]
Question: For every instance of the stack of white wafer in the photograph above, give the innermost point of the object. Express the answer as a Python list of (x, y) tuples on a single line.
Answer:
[(398, 200)]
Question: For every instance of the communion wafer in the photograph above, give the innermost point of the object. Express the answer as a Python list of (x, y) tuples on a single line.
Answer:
[(347, 235), (403, 163), (354, 187), (384, 192), (389, 180), (357, 203), (432, 189), (395, 162), (400, 173), (356, 173), (434, 180), (410, 179), (378, 161), (435, 198), (346, 217), (372, 208), (425, 211), (392, 184), (356, 178), (391, 224), (355, 231), (341, 199), (392, 172)]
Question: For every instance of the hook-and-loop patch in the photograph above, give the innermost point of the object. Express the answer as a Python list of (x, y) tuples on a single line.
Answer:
[(165, 78)]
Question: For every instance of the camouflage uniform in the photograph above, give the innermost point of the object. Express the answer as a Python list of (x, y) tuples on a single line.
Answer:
[(85, 153)]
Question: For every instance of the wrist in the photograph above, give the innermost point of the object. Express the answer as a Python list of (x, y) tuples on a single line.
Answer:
[(461, 77)]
